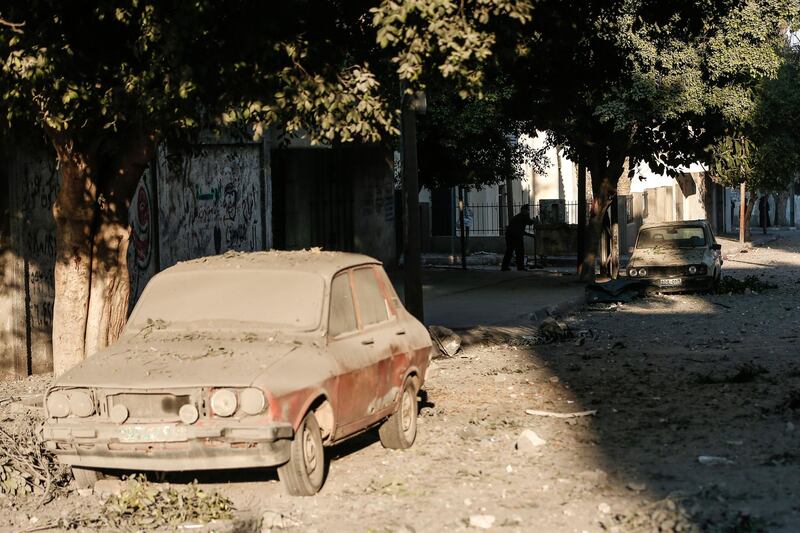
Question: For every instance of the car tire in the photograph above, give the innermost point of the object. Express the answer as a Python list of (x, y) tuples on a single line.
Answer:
[(85, 478), (304, 474), (399, 431)]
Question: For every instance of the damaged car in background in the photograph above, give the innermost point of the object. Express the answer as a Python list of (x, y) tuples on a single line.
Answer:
[(676, 257), (246, 360)]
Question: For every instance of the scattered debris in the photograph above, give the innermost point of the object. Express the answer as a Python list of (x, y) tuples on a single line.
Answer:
[(142, 505), (615, 291), (481, 521), (528, 440), (551, 414), (445, 340), (26, 467), (714, 460), (636, 487), (731, 285), (551, 330), (604, 508), (745, 373)]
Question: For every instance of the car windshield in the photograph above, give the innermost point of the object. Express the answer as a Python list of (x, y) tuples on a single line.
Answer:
[(210, 299), (674, 237)]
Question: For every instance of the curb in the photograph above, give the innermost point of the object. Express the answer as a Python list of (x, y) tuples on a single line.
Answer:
[(562, 308)]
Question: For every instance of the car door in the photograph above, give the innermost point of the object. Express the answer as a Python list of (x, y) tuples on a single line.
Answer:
[(347, 343), (378, 308), (716, 250)]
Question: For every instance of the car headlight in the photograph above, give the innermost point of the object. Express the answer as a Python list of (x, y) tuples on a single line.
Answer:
[(224, 402), (81, 403), (58, 405), (642, 272), (692, 270), (632, 272), (188, 414), (253, 401)]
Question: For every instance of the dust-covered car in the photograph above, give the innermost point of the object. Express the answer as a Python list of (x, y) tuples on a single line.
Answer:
[(676, 256), (246, 360)]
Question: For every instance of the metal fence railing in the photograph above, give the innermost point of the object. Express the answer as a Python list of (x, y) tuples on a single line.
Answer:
[(491, 220)]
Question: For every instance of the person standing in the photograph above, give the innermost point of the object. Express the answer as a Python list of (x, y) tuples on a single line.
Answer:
[(515, 232)]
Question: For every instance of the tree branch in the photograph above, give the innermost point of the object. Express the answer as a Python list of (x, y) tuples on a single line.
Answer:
[(16, 27)]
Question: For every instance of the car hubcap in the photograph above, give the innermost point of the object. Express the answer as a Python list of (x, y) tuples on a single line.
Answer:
[(309, 452), (407, 411)]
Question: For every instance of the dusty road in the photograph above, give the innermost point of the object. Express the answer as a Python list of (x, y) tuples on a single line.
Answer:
[(672, 379)]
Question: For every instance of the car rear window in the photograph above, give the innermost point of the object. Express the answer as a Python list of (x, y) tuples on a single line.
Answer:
[(371, 302), (223, 298), (677, 237)]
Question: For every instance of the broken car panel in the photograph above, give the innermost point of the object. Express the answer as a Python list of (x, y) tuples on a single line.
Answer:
[(246, 360)]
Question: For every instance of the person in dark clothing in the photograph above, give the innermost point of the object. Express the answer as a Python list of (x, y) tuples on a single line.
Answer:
[(515, 231)]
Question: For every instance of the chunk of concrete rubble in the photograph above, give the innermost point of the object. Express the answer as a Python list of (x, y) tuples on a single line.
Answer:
[(271, 520), (445, 340), (714, 460), (104, 488), (481, 521), (528, 441)]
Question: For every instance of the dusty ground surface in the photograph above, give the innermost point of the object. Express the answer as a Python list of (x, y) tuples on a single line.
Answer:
[(672, 378)]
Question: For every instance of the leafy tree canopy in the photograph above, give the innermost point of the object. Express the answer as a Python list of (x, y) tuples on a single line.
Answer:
[(473, 141)]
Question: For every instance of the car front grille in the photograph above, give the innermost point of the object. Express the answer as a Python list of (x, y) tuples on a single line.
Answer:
[(672, 271), (666, 271), (144, 407)]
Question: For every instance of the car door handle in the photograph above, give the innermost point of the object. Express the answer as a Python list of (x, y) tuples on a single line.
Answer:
[(401, 332), (368, 341)]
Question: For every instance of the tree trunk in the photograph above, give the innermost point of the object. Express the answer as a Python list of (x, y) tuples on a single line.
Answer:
[(92, 287), (605, 173), (74, 217), (751, 204), (110, 287)]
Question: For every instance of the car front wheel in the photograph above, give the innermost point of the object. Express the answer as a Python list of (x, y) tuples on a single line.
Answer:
[(400, 429), (304, 474)]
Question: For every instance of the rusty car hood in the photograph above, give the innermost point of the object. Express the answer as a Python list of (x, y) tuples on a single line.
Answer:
[(665, 256), (179, 362)]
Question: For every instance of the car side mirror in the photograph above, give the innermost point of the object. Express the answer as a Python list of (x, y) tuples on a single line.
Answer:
[(716, 246)]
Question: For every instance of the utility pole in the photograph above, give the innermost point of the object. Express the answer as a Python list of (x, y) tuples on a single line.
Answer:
[(581, 217), (742, 212), (413, 253), (461, 226)]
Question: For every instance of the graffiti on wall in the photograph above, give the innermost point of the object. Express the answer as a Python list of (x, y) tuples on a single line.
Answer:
[(210, 204), (141, 245)]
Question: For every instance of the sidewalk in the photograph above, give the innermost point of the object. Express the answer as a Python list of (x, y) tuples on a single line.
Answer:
[(463, 299)]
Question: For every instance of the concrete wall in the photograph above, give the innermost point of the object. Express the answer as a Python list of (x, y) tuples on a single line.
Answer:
[(28, 252), (216, 198), (210, 202)]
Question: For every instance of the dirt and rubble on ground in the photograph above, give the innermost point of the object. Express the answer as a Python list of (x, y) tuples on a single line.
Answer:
[(677, 413)]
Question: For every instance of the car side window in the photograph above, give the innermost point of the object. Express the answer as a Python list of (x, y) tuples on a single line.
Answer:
[(342, 317), (371, 302)]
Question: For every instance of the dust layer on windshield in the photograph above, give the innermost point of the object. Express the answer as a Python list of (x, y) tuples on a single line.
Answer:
[(220, 299), (682, 237)]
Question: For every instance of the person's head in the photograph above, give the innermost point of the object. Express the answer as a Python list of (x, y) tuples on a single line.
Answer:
[(526, 209)]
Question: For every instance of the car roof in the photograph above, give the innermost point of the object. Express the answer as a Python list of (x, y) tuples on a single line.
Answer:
[(326, 264), (698, 222)]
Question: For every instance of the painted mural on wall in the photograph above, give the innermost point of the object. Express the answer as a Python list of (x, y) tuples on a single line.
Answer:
[(209, 203), (141, 246)]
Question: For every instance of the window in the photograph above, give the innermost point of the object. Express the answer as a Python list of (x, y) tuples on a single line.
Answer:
[(677, 237), (370, 298), (343, 314)]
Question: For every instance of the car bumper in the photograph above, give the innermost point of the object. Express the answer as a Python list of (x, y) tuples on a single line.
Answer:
[(169, 447), (687, 284)]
